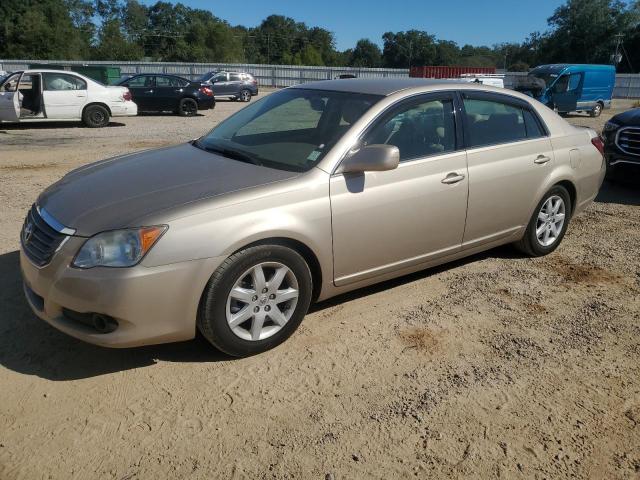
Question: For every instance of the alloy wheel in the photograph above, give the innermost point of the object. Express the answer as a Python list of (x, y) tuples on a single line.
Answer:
[(262, 301), (550, 221)]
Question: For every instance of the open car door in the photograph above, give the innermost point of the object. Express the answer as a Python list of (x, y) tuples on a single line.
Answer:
[(9, 99)]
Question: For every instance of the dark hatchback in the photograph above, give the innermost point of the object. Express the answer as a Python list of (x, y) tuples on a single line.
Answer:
[(160, 93), (621, 137)]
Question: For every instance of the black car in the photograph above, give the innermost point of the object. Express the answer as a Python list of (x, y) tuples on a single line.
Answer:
[(157, 93), (621, 137), (234, 85)]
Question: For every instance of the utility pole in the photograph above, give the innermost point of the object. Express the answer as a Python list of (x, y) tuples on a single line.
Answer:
[(617, 57), (268, 48)]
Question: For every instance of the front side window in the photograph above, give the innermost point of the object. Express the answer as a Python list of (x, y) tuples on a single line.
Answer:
[(219, 77), (492, 122), (290, 130), (62, 81), (235, 77), (561, 85), (141, 81), (419, 129), (11, 83), (574, 82)]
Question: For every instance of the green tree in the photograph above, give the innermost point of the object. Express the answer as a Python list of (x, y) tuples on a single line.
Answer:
[(583, 31), (365, 54), (45, 29), (403, 49), (112, 43)]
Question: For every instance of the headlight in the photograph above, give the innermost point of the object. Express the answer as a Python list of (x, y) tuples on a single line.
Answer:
[(610, 126), (118, 248)]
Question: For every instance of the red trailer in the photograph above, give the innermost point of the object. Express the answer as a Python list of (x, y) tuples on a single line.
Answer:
[(447, 72)]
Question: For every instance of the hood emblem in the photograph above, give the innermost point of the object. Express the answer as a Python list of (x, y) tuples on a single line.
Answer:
[(28, 232)]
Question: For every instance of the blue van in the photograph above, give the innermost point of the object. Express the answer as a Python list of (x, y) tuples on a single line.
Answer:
[(570, 87)]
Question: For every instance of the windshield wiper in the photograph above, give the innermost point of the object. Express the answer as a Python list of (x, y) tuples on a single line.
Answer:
[(229, 153)]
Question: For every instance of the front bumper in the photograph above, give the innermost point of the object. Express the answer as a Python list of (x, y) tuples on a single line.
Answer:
[(614, 155), (150, 304), (615, 158)]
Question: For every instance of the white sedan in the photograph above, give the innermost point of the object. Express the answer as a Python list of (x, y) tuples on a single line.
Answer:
[(60, 95)]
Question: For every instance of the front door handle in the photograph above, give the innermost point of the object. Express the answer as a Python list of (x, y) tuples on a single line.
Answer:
[(453, 178), (541, 159), (149, 91)]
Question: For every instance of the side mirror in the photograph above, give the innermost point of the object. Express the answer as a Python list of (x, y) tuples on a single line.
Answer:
[(372, 158)]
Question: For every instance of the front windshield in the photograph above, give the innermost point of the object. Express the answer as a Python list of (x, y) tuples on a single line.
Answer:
[(547, 77), (290, 130)]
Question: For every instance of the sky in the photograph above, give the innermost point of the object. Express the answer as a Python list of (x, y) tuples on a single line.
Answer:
[(477, 22)]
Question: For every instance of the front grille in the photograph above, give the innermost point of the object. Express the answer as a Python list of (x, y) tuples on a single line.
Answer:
[(39, 240), (628, 140)]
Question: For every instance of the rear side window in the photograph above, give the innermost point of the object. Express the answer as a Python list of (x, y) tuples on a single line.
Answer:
[(534, 130), (168, 82), (491, 122), (419, 129), (63, 81)]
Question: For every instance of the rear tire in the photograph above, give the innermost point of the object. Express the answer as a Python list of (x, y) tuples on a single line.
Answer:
[(220, 302), (597, 110), (245, 95), (95, 116), (534, 242), (188, 107)]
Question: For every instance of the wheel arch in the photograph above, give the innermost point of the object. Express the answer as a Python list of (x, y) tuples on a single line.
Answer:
[(571, 188), (304, 250), (102, 104)]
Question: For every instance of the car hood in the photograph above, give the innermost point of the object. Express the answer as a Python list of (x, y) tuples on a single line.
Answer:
[(120, 192), (630, 118)]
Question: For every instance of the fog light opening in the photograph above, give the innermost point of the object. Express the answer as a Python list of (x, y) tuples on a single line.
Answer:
[(104, 323)]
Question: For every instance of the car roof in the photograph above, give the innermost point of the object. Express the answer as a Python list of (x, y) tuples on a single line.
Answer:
[(157, 74), (48, 70), (375, 86), (558, 67)]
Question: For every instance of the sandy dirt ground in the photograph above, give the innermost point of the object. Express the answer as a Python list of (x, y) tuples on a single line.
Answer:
[(497, 366)]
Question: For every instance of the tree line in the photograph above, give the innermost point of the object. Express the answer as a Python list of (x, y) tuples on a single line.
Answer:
[(580, 31)]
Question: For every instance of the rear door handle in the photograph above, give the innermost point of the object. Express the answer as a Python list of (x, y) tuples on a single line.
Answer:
[(149, 91), (453, 178), (541, 159)]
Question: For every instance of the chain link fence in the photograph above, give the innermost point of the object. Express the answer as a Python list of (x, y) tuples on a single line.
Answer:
[(627, 85)]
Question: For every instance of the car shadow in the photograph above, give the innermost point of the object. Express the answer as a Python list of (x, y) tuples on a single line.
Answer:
[(30, 346), (504, 252), (50, 125), (622, 189), (168, 114)]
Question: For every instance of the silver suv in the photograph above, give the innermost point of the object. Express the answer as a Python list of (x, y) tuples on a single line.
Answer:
[(234, 85)]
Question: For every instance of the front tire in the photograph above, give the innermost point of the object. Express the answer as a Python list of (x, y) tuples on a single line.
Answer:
[(597, 110), (548, 223), (95, 116), (255, 300), (187, 107)]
